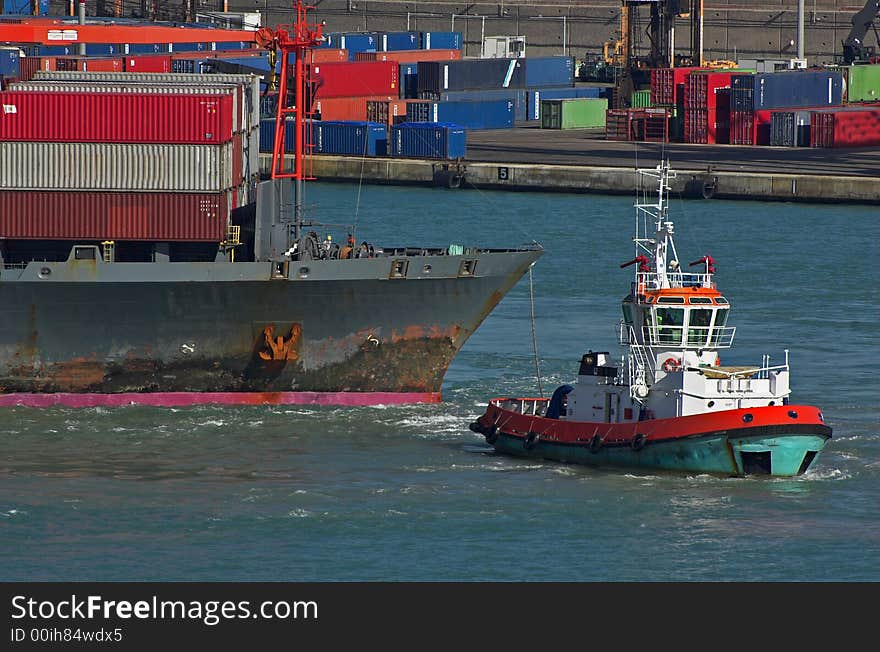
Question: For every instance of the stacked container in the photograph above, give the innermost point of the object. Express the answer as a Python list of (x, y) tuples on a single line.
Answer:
[(485, 114), (127, 159), (706, 100), (753, 97), (845, 127), (573, 113)]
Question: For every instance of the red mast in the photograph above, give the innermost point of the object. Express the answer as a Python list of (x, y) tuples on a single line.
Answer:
[(297, 39)]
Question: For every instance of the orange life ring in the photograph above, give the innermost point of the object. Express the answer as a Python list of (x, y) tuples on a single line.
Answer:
[(670, 365)]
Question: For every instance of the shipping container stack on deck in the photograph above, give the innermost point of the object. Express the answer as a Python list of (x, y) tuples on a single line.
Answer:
[(117, 157)]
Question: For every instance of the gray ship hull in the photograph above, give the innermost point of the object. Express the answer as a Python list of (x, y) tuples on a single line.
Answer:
[(371, 327)]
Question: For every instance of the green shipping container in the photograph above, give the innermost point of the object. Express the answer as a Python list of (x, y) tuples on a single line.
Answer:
[(863, 83), (580, 113), (641, 99)]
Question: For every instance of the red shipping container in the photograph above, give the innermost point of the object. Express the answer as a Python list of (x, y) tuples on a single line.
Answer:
[(148, 63), (356, 79), (666, 83), (409, 56), (701, 88), (328, 55), (30, 65), (750, 127), (161, 217), (118, 118), (707, 126), (90, 64), (847, 127), (346, 108)]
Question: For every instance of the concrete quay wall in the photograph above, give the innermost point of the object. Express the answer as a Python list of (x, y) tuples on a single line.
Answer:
[(759, 186)]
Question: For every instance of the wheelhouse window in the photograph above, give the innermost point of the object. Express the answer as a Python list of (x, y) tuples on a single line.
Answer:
[(699, 322), (627, 313), (720, 321), (670, 322)]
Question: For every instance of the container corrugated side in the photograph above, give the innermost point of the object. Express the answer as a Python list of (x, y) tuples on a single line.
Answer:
[(235, 92), (549, 72), (355, 41), (105, 117), (356, 78), (576, 113), (534, 97), (147, 63), (355, 138), (799, 88), (410, 56), (158, 217), (267, 135), (442, 40), (863, 83), (428, 140), (471, 74), (251, 82), (138, 167), (9, 63), (400, 41)]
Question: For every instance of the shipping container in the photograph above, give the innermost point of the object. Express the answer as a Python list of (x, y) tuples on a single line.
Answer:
[(9, 63), (119, 216), (706, 126), (549, 72), (863, 82), (29, 66), (267, 135), (325, 55), (387, 112), (156, 63), (189, 66), (789, 89), (534, 97), (577, 113), (701, 89), (246, 87), (517, 96), (83, 64), (400, 41), (350, 138), (410, 56), (667, 83), (346, 108), (428, 140), (486, 114), (355, 42), (750, 127), (848, 127), (790, 128), (112, 166), (441, 40), (640, 99), (471, 74), (409, 80), (122, 118), (356, 79)]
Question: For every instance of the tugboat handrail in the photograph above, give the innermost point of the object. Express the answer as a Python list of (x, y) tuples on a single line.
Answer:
[(652, 280)]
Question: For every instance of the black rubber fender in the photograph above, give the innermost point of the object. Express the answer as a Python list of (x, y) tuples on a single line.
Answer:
[(638, 442), (491, 435), (596, 443), (531, 440)]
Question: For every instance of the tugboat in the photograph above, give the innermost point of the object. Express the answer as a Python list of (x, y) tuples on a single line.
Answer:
[(668, 403)]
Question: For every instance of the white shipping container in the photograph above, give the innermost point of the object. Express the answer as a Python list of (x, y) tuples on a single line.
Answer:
[(134, 167)]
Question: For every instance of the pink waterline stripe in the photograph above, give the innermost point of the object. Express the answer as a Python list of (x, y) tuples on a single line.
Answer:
[(180, 399)]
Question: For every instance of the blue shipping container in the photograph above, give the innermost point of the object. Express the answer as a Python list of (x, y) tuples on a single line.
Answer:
[(392, 41), (232, 45), (788, 89), (519, 98), (23, 7), (356, 42), (534, 97), (267, 135), (471, 74), (428, 140), (356, 138), (9, 58), (486, 114), (549, 72), (147, 48), (441, 40)]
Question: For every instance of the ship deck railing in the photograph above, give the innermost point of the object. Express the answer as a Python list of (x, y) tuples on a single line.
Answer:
[(678, 337), (651, 280), (532, 406)]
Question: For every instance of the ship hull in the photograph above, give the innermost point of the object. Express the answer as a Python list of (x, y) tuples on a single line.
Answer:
[(336, 331), (769, 441)]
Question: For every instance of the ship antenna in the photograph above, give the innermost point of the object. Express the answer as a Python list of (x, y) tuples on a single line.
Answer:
[(297, 40)]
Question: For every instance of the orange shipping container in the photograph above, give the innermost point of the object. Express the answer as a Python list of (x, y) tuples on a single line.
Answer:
[(409, 56), (347, 108), (326, 55), (389, 112)]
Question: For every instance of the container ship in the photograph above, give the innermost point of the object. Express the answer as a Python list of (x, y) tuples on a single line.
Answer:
[(143, 260)]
